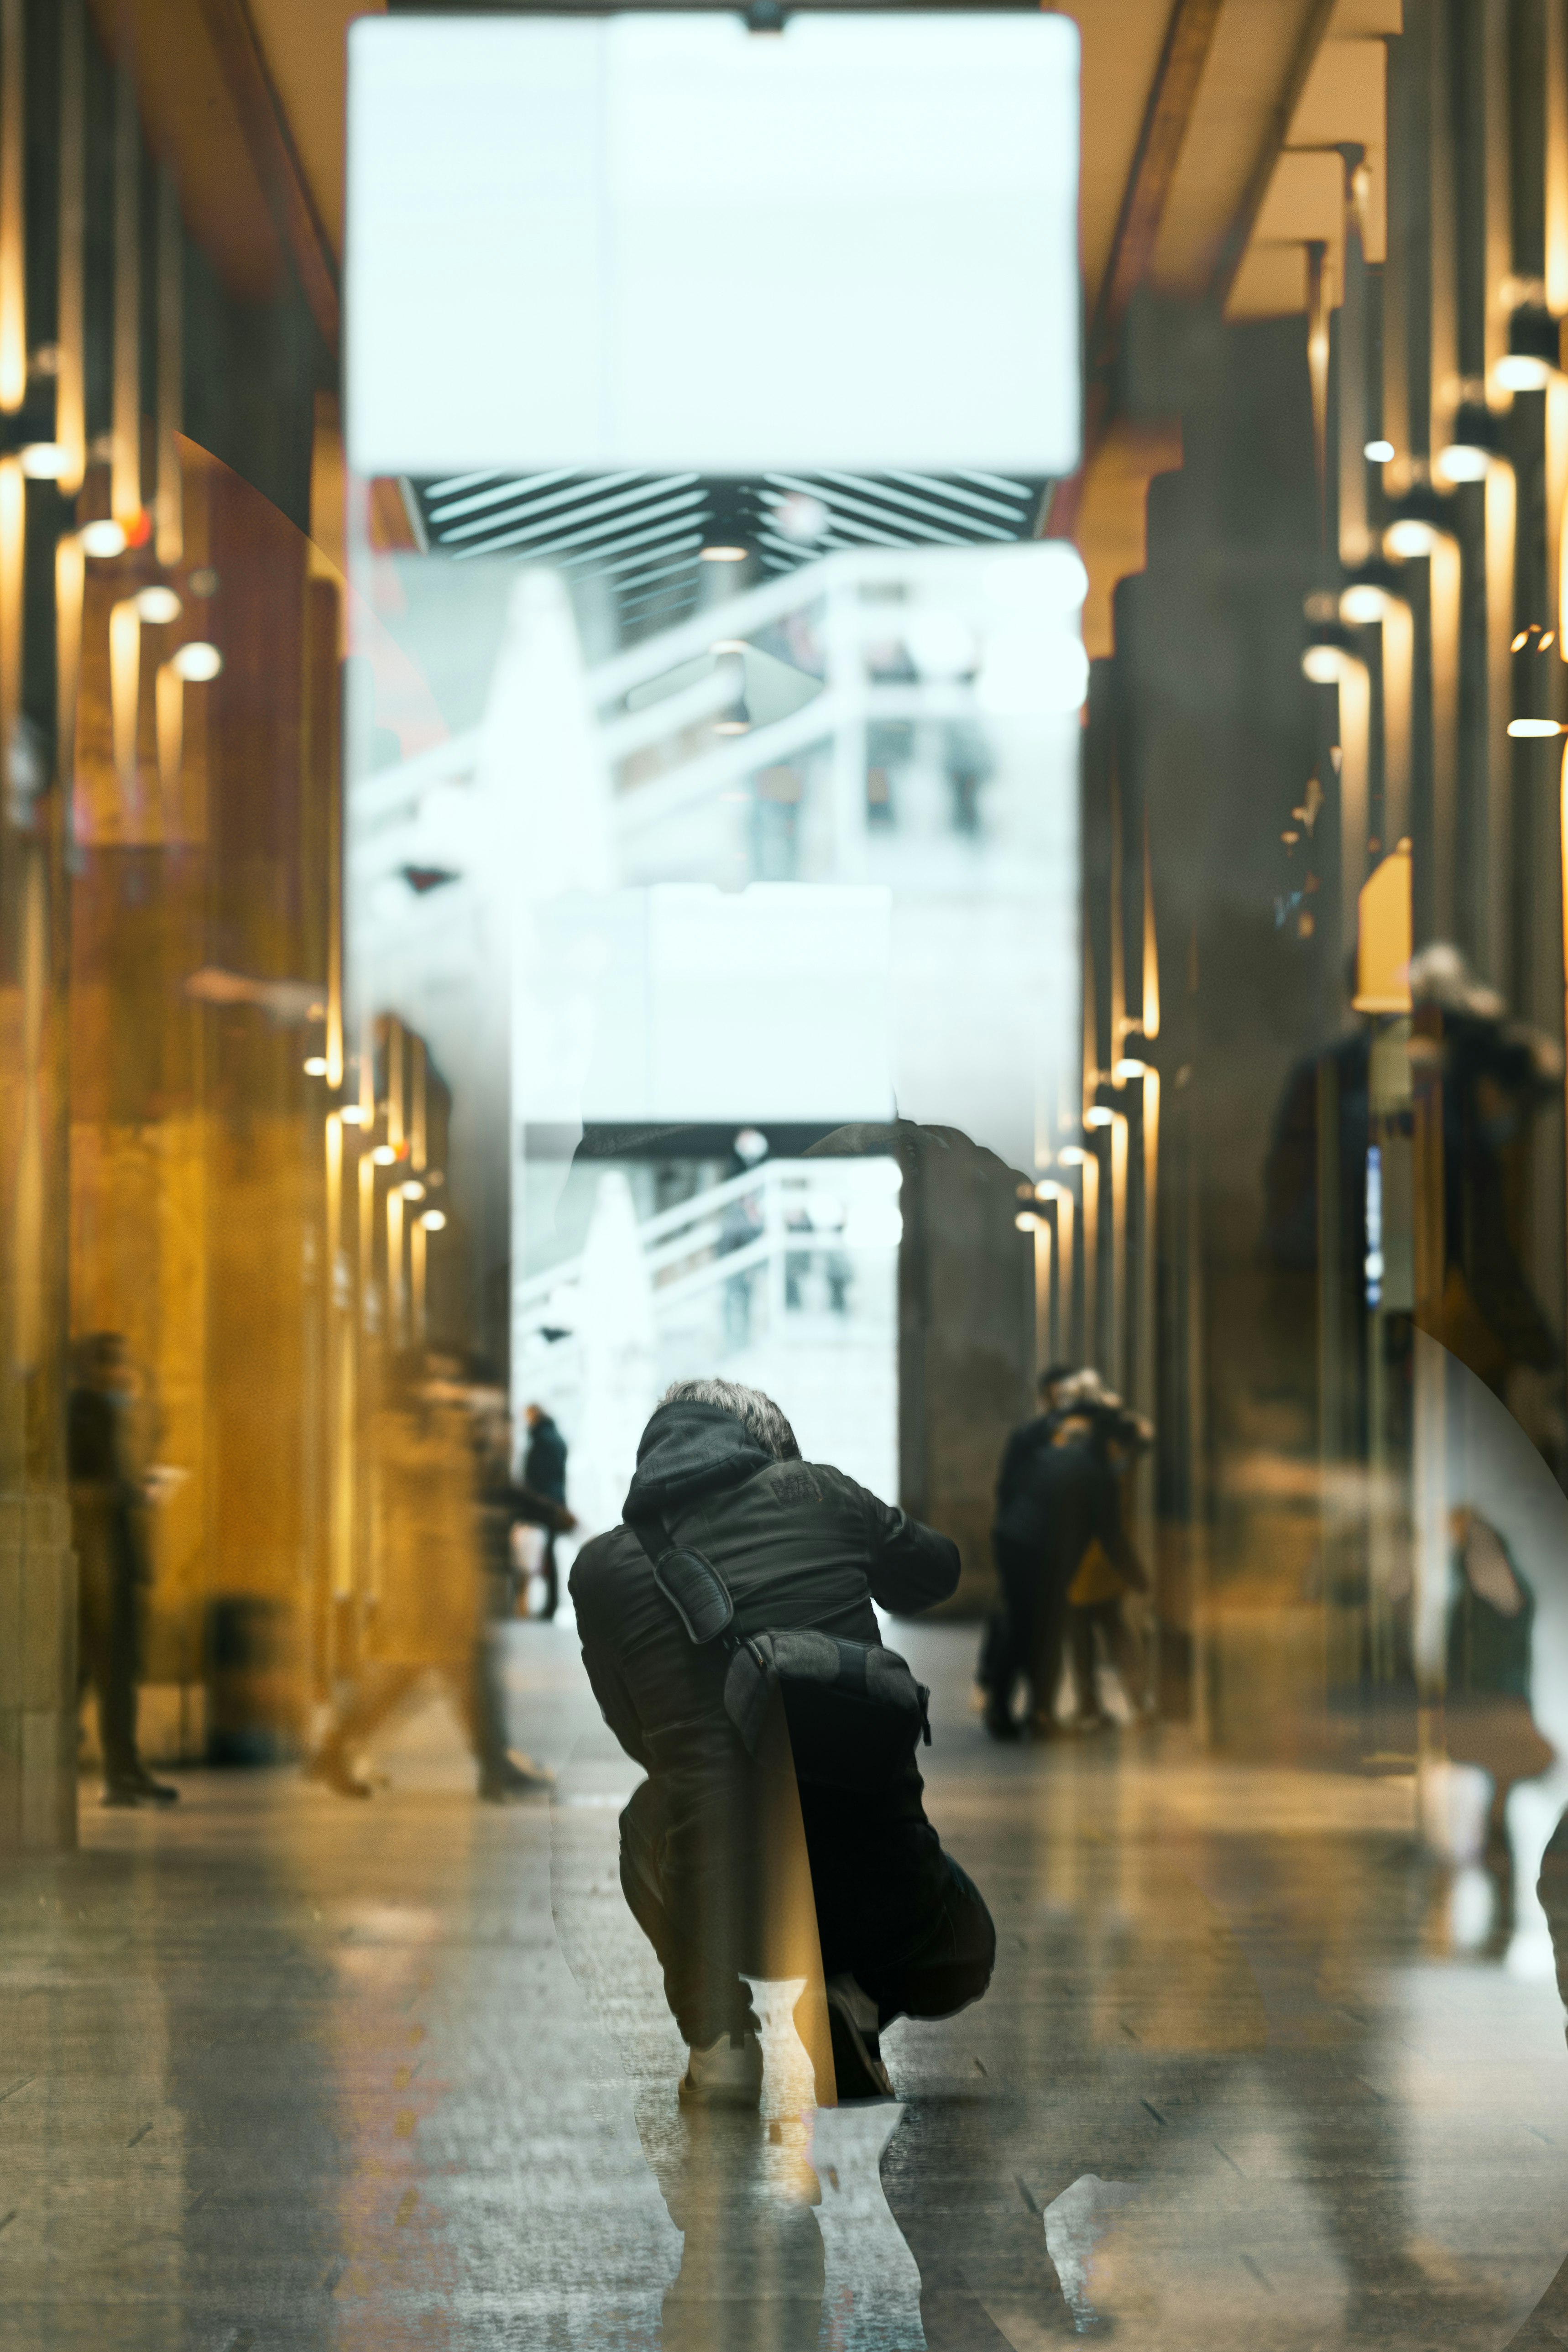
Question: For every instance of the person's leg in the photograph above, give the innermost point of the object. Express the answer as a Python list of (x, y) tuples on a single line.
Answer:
[(117, 1685), (951, 1964), (1124, 1648), (1080, 1653), (1045, 1664), (724, 2036), (504, 1772), (1007, 1653), (551, 1578), (380, 1689)]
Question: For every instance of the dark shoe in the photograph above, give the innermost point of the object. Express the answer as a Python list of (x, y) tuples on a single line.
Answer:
[(127, 1789), (514, 1779), (329, 1769), (999, 1722), (852, 2021)]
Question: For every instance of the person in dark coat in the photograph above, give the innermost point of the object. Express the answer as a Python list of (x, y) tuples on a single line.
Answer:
[(544, 1473), (1008, 1648), (903, 1931), (111, 1561)]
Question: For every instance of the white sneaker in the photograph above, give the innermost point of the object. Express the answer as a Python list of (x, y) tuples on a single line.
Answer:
[(728, 2074)]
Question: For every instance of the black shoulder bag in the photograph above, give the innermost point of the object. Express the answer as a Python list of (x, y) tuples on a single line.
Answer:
[(854, 1709)]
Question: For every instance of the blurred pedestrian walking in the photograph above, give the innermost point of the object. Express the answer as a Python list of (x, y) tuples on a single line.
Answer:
[(544, 1473), (112, 1568)]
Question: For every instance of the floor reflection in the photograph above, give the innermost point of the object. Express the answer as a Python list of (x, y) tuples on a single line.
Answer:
[(411, 2080)]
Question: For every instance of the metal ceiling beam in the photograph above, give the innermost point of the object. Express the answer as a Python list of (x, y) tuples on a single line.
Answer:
[(274, 161)]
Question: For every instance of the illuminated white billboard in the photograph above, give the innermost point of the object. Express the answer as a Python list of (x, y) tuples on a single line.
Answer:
[(661, 241)]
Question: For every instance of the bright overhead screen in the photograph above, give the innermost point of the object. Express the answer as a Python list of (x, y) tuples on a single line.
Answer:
[(660, 241)]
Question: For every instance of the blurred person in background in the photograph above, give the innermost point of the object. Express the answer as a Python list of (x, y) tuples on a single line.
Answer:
[(544, 1475), (112, 1567), (1024, 1634), (1108, 1568), (441, 1455)]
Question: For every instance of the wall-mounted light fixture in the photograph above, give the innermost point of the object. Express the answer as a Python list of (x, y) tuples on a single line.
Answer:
[(1534, 351), (1472, 446)]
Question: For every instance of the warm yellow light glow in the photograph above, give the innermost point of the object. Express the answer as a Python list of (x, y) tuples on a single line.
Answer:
[(168, 496), (158, 604), (1380, 452), (1128, 1068), (1363, 604), (1462, 461), (723, 555), (1520, 372), (103, 539), (125, 427), (384, 1156), (315, 1066), (1095, 1116), (1532, 729), (432, 1221), (1026, 1222), (352, 1115), (413, 1189), (1150, 1022), (70, 416), (169, 716), (13, 161), (1072, 1155), (43, 461), (1408, 538), (125, 685), (12, 522), (197, 662), (70, 577), (1324, 665), (1383, 932)]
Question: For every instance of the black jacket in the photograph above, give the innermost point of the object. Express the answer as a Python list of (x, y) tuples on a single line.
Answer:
[(1058, 1501), (798, 1544)]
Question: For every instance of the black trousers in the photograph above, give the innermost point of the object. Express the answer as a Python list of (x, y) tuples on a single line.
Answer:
[(1024, 1637), (898, 1915)]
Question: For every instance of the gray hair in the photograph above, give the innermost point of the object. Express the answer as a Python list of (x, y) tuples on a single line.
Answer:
[(758, 1415)]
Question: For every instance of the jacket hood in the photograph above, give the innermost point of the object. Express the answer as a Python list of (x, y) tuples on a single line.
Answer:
[(688, 1450)]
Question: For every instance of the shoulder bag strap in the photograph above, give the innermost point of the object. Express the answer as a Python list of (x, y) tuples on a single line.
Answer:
[(692, 1585)]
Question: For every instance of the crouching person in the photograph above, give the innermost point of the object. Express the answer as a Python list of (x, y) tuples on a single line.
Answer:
[(731, 1549)]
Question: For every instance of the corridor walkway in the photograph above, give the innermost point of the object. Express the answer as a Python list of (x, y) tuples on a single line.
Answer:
[(278, 2070)]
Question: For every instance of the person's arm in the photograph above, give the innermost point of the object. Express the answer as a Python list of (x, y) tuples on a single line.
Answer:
[(911, 1566), (531, 1509)]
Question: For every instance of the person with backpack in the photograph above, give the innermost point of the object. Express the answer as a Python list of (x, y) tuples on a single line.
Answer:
[(733, 1606)]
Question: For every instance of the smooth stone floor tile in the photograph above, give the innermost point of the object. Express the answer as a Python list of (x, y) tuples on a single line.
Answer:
[(281, 2073)]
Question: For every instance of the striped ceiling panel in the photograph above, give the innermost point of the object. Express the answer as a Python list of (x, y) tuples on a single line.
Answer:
[(642, 535)]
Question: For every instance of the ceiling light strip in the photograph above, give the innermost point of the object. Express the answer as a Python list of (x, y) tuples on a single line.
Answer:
[(459, 482), (582, 499), (514, 486), (870, 487), (943, 485), (838, 504), (608, 536)]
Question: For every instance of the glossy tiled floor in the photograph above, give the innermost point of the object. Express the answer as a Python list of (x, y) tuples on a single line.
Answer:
[(277, 2071)]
